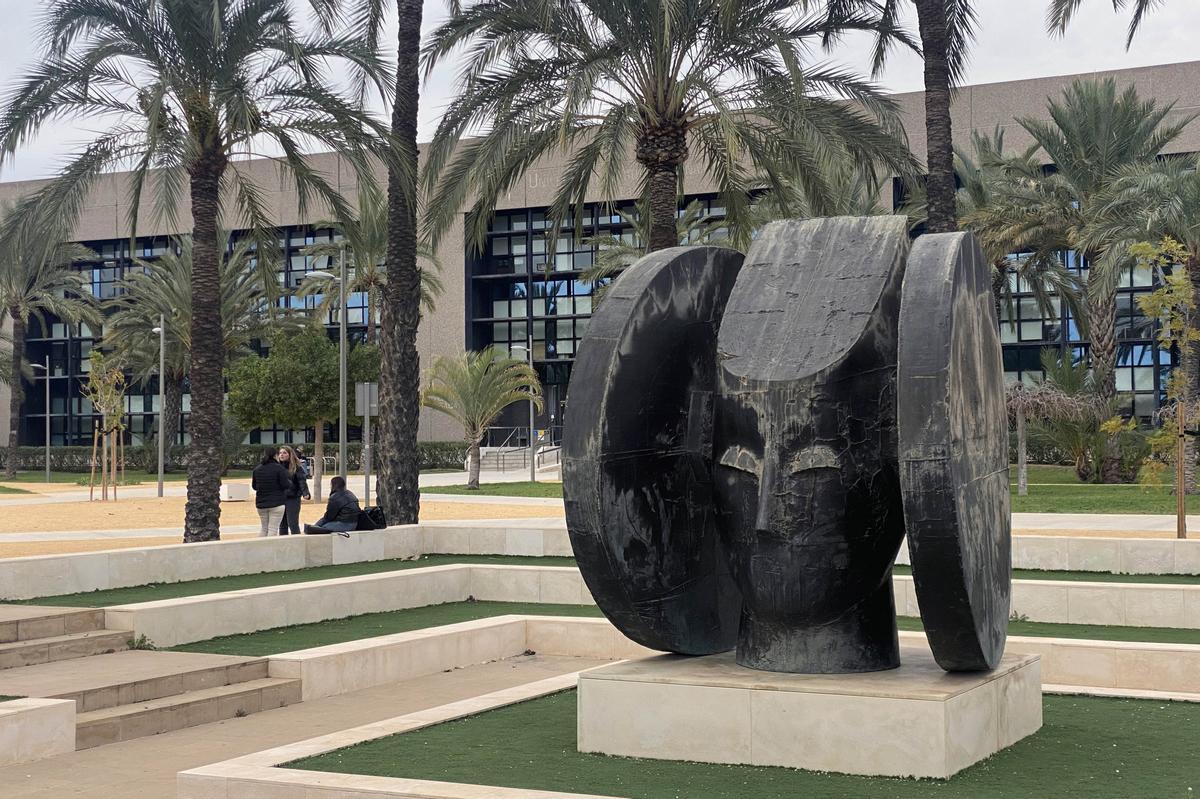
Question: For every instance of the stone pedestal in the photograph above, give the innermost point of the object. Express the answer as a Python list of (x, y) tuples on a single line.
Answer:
[(914, 721)]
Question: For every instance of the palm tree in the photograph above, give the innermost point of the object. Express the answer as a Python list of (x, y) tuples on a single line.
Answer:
[(615, 252), (664, 79), (473, 388), (981, 173), (185, 87), (1094, 136), (37, 281), (1061, 12), (1045, 402), (946, 28), (162, 288), (366, 242)]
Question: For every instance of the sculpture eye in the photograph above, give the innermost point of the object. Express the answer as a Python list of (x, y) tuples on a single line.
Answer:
[(742, 460), (815, 457)]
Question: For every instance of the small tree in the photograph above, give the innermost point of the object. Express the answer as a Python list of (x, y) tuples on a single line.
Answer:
[(296, 386), (1173, 305), (1042, 401), (473, 388), (105, 389)]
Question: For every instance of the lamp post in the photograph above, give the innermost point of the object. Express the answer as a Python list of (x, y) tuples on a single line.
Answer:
[(532, 421), (161, 330), (343, 350), (46, 369)]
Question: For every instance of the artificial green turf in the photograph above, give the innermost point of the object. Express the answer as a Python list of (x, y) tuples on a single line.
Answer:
[(1087, 747), (305, 636), (213, 585), (335, 631), (10, 698), (525, 489), (132, 477), (13, 490)]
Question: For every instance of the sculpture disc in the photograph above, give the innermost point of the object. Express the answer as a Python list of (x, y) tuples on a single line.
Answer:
[(954, 451), (637, 454)]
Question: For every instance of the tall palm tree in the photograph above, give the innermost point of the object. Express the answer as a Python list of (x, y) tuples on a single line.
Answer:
[(37, 281), (366, 242), (615, 252), (947, 29), (402, 291), (162, 288), (1094, 134), (473, 388), (184, 87), (1061, 12), (721, 81)]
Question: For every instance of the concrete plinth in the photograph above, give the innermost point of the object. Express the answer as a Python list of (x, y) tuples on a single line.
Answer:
[(914, 721)]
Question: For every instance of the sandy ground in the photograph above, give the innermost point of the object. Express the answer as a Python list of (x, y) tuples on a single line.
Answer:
[(132, 513)]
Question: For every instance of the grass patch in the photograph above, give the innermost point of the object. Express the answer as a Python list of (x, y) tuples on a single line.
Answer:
[(157, 591), (353, 628), (545, 490), (13, 490), (10, 698), (1053, 489), (1087, 747)]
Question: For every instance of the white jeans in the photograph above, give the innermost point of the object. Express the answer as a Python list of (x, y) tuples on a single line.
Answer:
[(270, 518)]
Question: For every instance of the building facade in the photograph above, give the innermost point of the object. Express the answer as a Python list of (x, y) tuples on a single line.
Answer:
[(517, 294)]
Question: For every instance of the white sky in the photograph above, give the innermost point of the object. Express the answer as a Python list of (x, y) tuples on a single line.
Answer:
[(1011, 45)]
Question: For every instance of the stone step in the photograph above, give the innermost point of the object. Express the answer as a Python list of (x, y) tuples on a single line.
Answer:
[(191, 709), (123, 678), (62, 647), (30, 622)]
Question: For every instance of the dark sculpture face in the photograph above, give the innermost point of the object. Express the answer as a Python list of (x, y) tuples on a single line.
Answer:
[(749, 442), (805, 470)]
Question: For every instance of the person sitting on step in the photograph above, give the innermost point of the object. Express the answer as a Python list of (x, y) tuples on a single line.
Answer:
[(341, 512)]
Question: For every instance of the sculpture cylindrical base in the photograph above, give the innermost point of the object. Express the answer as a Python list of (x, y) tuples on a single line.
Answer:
[(862, 639)]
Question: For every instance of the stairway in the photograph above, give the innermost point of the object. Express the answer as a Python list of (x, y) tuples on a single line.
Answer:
[(121, 694)]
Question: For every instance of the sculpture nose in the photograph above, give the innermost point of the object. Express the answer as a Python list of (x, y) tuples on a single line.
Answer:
[(766, 495)]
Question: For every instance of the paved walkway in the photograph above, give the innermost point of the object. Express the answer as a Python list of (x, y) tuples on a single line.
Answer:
[(146, 767)]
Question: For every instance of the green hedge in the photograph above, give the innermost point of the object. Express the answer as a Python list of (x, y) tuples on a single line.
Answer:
[(432, 454)]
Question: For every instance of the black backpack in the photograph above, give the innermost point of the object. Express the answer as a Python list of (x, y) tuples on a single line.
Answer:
[(371, 518)]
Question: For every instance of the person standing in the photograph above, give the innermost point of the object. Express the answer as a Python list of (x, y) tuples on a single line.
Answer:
[(270, 481), (341, 512), (297, 490)]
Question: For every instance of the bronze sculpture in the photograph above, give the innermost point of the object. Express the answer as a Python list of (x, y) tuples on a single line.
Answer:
[(749, 441)]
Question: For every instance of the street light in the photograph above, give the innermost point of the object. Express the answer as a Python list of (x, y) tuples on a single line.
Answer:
[(46, 369), (532, 430), (321, 274), (161, 330)]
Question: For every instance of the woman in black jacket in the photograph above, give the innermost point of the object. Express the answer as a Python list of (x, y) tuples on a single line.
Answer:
[(297, 489), (341, 514), (270, 482)]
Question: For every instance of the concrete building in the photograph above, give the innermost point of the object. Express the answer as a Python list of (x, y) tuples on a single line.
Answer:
[(508, 295)]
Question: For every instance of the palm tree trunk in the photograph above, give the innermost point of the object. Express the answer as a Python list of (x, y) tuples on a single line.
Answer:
[(661, 150), (1102, 315), (172, 408), (473, 465), (372, 309), (400, 376), (318, 457), (999, 280), (663, 206), (202, 515), (17, 387), (1022, 460), (939, 144)]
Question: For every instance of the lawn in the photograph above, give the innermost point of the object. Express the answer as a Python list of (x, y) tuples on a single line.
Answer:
[(370, 625), (157, 591), (526, 489), (352, 628), (13, 490), (1052, 489), (132, 477), (1087, 747)]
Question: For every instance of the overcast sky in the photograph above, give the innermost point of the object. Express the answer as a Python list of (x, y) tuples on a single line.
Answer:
[(1012, 44)]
